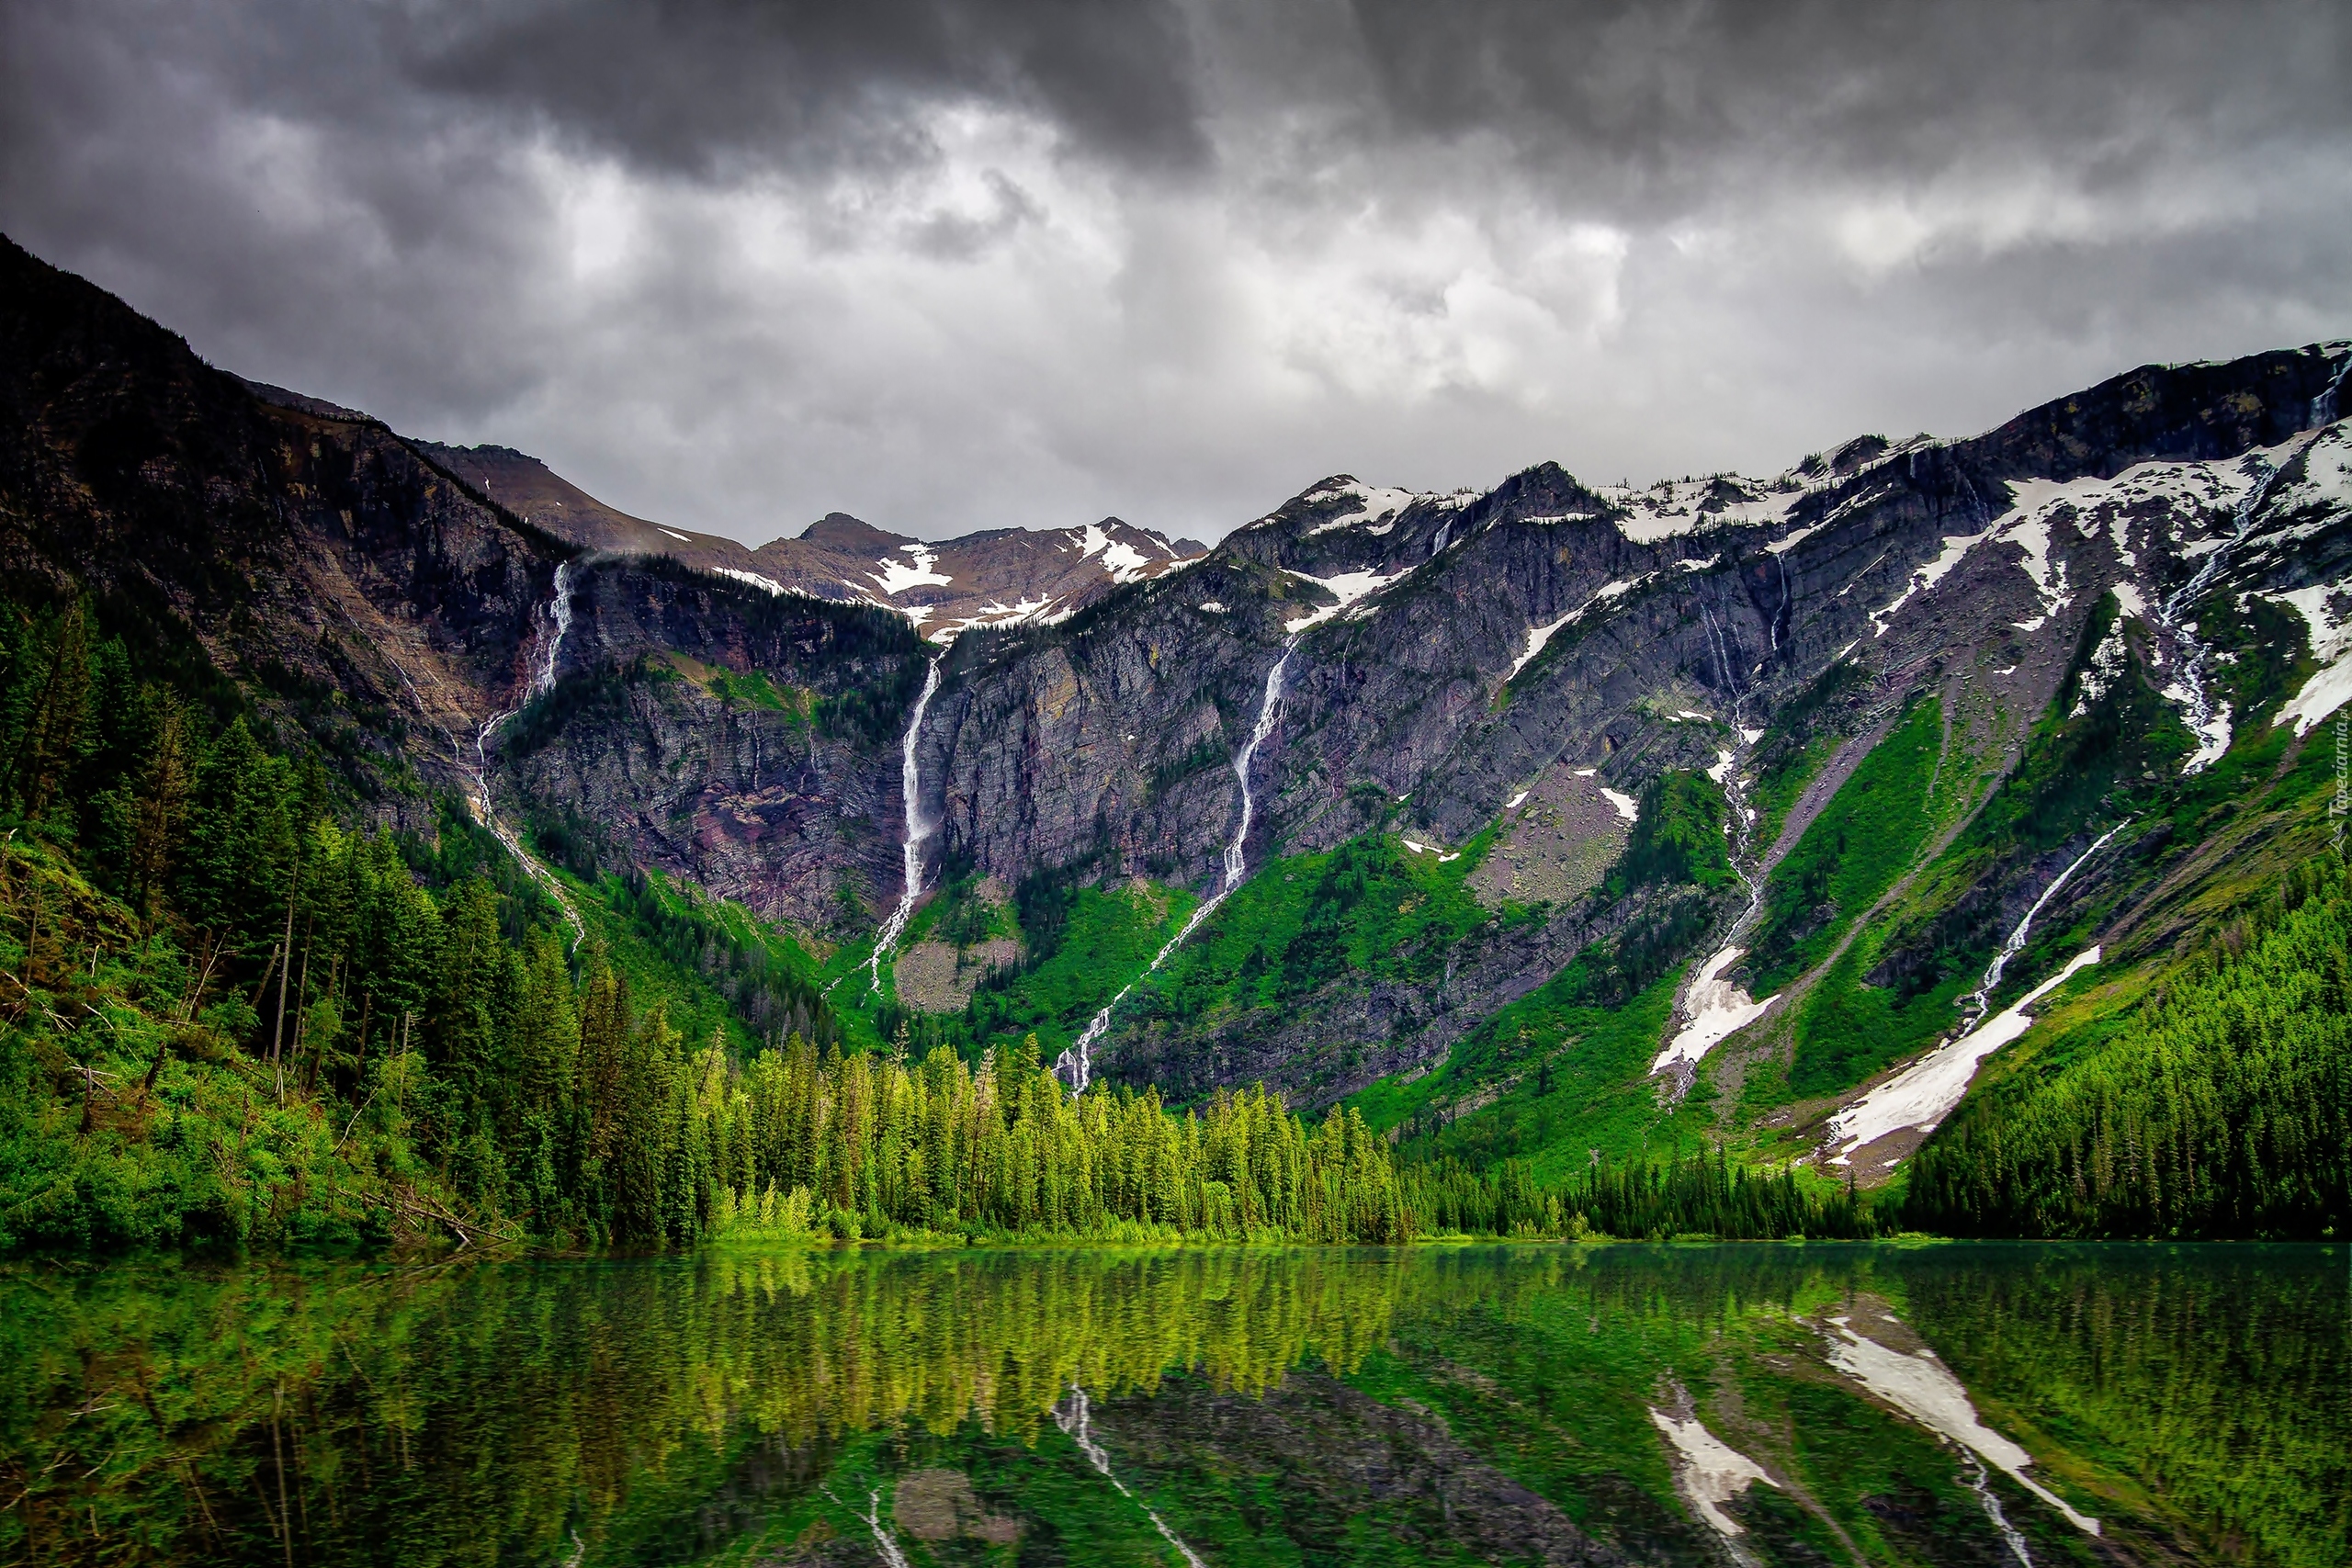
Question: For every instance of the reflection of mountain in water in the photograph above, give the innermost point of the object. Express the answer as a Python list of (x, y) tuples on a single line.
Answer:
[(1553, 1404)]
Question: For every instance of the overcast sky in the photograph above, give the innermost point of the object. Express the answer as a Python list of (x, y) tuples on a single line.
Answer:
[(961, 263)]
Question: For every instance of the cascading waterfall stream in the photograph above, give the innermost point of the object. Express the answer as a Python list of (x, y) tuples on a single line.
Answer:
[(1707, 1007), (1073, 1421), (2171, 614), (1977, 1000), (1076, 1065), (910, 784), (1734, 792), (556, 612)]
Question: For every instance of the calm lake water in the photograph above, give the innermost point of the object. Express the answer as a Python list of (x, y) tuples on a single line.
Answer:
[(1598, 1405)]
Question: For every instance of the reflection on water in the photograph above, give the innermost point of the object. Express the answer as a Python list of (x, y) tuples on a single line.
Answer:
[(1760, 1404)]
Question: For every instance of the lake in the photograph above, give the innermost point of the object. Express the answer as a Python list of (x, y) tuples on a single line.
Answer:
[(1809, 1404)]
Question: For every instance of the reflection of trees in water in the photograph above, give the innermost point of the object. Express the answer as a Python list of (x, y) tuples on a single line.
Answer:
[(525, 1399), (671, 1408)]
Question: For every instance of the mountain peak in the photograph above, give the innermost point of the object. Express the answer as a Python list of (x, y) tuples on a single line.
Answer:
[(840, 531)]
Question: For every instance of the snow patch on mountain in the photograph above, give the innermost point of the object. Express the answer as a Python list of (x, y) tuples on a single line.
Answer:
[(1375, 512), (1538, 636), (1717, 1008), (896, 576), (1955, 547), (996, 615), (1923, 1093), (2326, 608), (1122, 561), (754, 579), (1350, 586)]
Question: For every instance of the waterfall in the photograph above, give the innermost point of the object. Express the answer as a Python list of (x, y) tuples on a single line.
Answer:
[(910, 783), (559, 614), (1077, 1064), (2325, 406), (1074, 1423), (1977, 1000), (2182, 599), (1723, 656), (1781, 560), (556, 612), (1707, 1007)]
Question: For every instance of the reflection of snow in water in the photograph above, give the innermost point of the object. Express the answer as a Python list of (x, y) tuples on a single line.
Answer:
[(1070, 1415), (884, 1542), (1980, 1484), (1713, 1473), (1924, 1389)]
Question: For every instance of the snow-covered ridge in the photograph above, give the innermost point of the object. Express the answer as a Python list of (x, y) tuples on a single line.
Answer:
[(994, 616), (755, 579), (1670, 507)]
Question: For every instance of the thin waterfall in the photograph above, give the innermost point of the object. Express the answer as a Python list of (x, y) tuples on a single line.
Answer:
[(2325, 407), (1734, 792), (556, 612), (1780, 560), (1073, 1421), (1076, 1065), (1978, 999), (2171, 614), (1707, 1007), (559, 613), (910, 783)]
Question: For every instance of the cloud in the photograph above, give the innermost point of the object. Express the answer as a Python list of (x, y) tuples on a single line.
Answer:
[(963, 265)]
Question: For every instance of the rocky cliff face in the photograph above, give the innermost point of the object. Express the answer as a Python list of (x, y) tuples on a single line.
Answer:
[(737, 716), (1455, 651)]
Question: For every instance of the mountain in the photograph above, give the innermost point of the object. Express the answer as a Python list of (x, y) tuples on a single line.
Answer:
[(1001, 577), (1552, 823)]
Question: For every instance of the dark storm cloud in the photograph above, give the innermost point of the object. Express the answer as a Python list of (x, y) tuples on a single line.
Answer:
[(703, 86), (1664, 94), (963, 262)]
